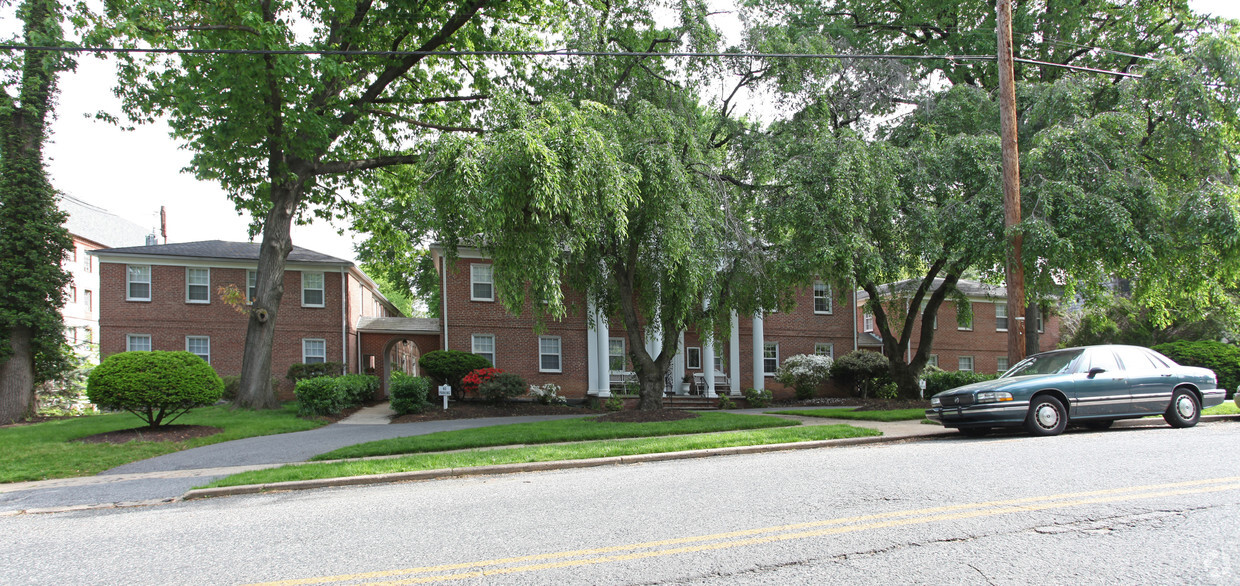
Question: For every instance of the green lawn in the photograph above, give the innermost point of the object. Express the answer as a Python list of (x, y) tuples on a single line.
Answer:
[(546, 432), (547, 453), (47, 450), (845, 413), (1227, 408)]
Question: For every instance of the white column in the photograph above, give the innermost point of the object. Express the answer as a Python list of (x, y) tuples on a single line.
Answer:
[(734, 356), (759, 380), (601, 352), (591, 349), (708, 365)]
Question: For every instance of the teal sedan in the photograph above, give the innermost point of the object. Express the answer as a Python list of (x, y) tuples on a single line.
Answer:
[(1093, 386)]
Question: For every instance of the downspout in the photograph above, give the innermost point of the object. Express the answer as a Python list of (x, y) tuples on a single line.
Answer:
[(344, 317), (856, 317), (443, 294)]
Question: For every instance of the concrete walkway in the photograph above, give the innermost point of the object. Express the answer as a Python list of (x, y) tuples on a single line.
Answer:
[(167, 478)]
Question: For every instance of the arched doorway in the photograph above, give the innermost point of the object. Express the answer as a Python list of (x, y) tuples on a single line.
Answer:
[(393, 344)]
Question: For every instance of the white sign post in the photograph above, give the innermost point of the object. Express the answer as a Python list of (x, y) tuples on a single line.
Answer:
[(445, 391)]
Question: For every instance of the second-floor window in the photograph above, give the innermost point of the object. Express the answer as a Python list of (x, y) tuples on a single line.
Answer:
[(138, 282), (822, 298), (867, 322), (251, 286), (312, 290), (197, 285), (90, 300), (481, 282)]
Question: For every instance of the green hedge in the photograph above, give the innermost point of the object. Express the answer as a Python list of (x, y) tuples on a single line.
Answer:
[(156, 386), (503, 386), (1223, 359), (450, 366), (329, 395), (299, 371), (937, 382), (358, 388), (409, 393)]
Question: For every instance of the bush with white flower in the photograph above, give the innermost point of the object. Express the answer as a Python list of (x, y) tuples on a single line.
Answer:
[(548, 394), (804, 372)]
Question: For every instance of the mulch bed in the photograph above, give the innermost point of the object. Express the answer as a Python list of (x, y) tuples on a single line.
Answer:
[(167, 433)]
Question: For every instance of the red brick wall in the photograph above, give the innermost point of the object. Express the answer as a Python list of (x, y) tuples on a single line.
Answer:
[(516, 344), (168, 318)]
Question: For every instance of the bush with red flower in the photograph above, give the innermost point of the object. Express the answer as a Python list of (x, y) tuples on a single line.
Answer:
[(475, 378)]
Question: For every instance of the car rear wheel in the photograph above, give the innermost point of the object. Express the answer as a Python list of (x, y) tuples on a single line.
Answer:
[(1046, 416), (1184, 411), (1099, 423)]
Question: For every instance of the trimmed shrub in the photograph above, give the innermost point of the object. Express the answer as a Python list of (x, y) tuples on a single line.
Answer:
[(758, 399), (232, 384), (804, 372), (156, 386), (318, 396), (299, 371), (548, 394), (1223, 359), (450, 366), (410, 394), (357, 389), (725, 402), (475, 378), (937, 382), (504, 385), (862, 370)]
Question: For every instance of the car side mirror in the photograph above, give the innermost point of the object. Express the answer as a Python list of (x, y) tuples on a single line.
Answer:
[(1095, 371)]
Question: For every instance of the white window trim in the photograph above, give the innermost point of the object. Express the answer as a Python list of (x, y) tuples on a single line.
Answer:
[(559, 354), (128, 281), (624, 359), (764, 358), (251, 274), (129, 338), (1004, 316), (322, 289), (830, 349), (208, 339), (206, 301), (867, 322), (827, 296), (933, 360), (972, 364), (472, 282), (1000, 366), (304, 355), (473, 346), (689, 366)]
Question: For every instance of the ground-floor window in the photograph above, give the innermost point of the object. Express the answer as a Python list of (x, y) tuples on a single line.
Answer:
[(549, 358), (615, 354), (484, 346), (965, 363), (933, 360), (138, 343), (199, 346), (824, 349), (313, 350), (693, 358), (1001, 364), (770, 358)]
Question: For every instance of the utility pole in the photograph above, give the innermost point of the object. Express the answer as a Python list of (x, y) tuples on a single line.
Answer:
[(1015, 270)]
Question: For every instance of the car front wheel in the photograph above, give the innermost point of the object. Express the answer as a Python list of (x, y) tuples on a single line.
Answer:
[(1184, 411), (1047, 416)]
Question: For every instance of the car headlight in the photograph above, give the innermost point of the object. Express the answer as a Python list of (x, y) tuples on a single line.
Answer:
[(993, 396), (935, 402)]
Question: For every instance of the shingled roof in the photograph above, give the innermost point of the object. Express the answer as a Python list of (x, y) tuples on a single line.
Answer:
[(99, 225), (221, 249)]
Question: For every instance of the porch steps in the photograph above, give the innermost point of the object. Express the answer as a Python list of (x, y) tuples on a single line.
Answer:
[(691, 402)]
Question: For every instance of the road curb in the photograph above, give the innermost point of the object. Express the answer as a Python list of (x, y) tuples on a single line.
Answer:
[(202, 493)]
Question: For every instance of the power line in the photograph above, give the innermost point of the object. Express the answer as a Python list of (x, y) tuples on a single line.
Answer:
[(555, 53)]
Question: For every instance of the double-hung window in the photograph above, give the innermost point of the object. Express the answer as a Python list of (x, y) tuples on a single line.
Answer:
[(966, 325), (933, 360), (693, 358), (199, 346), (138, 282), (770, 358), (615, 354), (197, 285), (1001, 364), (549, 358), (312, 289), (825, 349), (822, 297), (313, 350), (484, 346), (481, 282), (965, 364), (90, 300), (251, 286), (1001, 317), (138, 343), (867, 322)]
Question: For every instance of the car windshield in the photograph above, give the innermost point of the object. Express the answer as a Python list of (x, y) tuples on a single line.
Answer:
[(1047, 363)]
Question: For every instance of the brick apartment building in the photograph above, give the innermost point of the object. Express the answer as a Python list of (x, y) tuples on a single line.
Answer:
[(585, 354), (166, 297)]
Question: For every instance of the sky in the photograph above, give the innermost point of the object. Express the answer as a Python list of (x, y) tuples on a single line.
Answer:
[(134, 173)]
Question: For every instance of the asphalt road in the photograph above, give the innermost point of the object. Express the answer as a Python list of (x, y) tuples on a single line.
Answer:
[(1126, 506)]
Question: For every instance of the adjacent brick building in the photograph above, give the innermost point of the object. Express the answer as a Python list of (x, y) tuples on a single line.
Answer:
[(167, 297)]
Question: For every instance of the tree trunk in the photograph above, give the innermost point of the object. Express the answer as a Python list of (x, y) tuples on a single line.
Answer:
[(255, 390), (905, 377), (1032, 340), (17, 378)]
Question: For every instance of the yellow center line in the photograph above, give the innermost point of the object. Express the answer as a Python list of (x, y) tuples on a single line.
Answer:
[(780, 533)]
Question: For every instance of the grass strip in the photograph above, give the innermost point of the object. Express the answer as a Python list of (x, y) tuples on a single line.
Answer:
[(558, 431), (1227, 408), (48, 450), (845, 413), (546, 453)]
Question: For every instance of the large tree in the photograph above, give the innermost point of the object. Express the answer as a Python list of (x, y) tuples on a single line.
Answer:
[(287, 135), (33, 240), (613, 180)]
